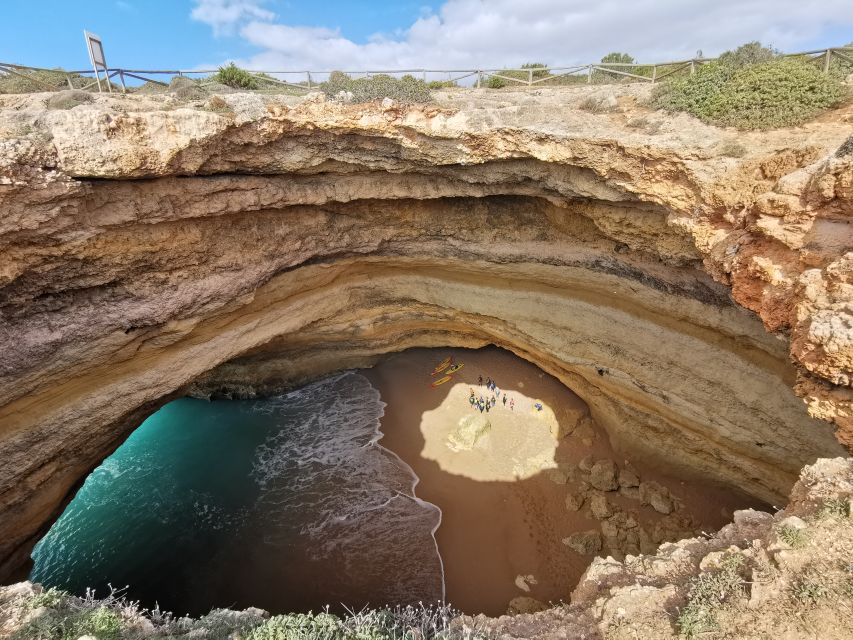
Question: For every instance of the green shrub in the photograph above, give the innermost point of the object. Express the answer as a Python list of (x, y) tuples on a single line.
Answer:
[(103, 623), (708, 592), (778, 93), (748, 54), (49, 598), (235, 77), (299, 626), (540, 70), (623, 58), (406, 89)]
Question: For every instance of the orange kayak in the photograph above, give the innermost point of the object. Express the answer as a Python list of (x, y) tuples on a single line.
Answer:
[(442, 366)]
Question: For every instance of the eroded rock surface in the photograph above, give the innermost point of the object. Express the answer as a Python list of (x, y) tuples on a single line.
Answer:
[(151, 248)]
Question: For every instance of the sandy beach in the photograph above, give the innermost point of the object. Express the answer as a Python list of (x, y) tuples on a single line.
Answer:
[(507, 480)]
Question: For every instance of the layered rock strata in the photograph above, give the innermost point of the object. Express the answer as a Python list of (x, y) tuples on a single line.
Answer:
[(153, 248)]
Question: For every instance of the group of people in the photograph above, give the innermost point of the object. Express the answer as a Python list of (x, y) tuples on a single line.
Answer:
[(489, 402)]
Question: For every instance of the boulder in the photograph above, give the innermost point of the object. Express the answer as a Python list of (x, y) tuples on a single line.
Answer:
[(525, 604), (793, 522), (558, 476), (656, 495), (599, 506), (68, 99), (628, 478), (574, 501), (586, 463), (602, 475), (185, 89), (586, 543)]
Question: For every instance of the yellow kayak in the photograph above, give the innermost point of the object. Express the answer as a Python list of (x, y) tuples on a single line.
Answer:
[(442, 366), (441, 381), (454, 368)]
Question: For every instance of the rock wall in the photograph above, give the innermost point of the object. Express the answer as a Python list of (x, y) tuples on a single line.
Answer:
[(152, 249)]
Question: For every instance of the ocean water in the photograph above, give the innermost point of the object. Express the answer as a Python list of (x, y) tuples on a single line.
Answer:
[(286, 503)]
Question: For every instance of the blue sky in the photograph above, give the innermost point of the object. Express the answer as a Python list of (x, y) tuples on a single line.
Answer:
[(372, 34), (161, 33)]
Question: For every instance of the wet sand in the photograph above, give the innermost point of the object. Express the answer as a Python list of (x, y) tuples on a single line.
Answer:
[(503, 503)]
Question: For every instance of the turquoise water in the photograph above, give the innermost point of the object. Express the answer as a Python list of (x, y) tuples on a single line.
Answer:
[(286, 503)]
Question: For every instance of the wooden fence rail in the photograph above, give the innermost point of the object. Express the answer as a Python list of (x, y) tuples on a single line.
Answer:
[(607, 72)]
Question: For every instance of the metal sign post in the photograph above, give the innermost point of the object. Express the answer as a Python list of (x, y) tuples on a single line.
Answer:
[(99, 60)]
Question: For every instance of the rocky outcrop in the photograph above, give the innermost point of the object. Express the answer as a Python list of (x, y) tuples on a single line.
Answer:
[(153, 249), (764, 575), (751, 579)]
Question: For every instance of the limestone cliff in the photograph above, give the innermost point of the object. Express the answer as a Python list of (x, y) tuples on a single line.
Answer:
[(152, 248)]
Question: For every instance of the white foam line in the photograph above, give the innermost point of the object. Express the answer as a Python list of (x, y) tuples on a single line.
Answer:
[(415, 480)]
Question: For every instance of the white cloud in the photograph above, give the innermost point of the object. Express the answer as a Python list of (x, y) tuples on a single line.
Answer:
[(225, 15), (495, 33)]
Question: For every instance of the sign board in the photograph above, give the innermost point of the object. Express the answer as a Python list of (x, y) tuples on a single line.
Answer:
[(96, 54)]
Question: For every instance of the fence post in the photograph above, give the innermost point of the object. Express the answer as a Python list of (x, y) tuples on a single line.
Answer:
[(654, 73), (308, 73), (121, 77), (68, 80), (530, 77), (479, 78), (692, 67), (589, 75), (826, 61)]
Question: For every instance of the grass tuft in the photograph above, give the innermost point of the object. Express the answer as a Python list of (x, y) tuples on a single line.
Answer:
[(792, 536)]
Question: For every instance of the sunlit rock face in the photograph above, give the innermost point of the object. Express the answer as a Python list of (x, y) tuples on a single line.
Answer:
[(150, 251)]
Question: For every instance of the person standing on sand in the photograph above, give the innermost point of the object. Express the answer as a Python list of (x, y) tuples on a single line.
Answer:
[(480, 380), (504, 399), (512, 405)]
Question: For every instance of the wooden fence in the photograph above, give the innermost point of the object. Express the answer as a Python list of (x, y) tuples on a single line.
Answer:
[(600, 73)]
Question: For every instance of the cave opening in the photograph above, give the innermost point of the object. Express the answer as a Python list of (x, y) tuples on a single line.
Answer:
[(377, 486)]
